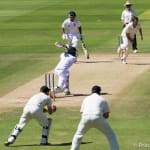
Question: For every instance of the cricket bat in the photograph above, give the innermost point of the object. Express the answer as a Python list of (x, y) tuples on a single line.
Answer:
[(85, 50)]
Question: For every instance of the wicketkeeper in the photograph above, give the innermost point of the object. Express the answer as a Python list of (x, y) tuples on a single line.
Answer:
[(35, 108)]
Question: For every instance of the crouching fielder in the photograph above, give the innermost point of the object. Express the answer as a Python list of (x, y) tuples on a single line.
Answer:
[(35, 108), (94, 111), (128, 37)]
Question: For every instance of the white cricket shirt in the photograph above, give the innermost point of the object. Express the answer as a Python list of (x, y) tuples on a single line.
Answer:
[(130, 29), (127, 15), (39, 100), (71, 26), (66, 61), (94, 105)]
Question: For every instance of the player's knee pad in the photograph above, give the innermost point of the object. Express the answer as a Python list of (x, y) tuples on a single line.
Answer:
[(45, 131), (16, 130), (47, 127)]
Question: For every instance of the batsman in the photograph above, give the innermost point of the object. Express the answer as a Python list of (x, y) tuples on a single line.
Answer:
[(67, 59), (35, 108)]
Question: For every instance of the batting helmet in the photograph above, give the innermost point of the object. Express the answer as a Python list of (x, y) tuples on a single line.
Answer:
[(72, 51), (72, 14)]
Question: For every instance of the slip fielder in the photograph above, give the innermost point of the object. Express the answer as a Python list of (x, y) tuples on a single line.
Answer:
[(94, 111)]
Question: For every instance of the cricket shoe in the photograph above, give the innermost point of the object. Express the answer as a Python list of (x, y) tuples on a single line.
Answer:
[(7, 143), (124, 62), (135, 51), (10, 140), (67, 92), (45, 144)]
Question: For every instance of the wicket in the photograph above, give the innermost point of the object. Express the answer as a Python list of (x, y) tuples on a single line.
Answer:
[(50, 82)]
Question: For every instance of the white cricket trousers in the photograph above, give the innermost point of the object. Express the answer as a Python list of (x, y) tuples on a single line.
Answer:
[(93, 121), (62, 78), (73, 40), (125, 46), (32, 112)]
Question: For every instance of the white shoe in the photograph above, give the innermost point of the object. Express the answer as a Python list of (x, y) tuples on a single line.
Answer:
[(135, 51), (10, 140), (124, 62), (67, 92), (58, 90), (7, 143)]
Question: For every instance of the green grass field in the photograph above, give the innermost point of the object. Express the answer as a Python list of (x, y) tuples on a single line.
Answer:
[(28, 30)]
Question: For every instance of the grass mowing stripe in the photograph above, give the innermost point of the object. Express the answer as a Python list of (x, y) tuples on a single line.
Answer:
[(37, 30), (11, 9), (134, 99), (101, 24), (21, 69)]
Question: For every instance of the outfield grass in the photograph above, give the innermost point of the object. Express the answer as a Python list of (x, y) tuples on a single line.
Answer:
[(28, 30), (18, 69), (129, 119)]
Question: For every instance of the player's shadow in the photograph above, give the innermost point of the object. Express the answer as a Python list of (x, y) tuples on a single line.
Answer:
[(79, 95), (103, 93), (96, 61), (68, 144), (140, 64), (58, 144)]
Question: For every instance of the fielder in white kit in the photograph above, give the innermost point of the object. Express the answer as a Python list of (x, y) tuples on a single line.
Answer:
[(67, 59), (95, 111), (34, 109), (128, 37)]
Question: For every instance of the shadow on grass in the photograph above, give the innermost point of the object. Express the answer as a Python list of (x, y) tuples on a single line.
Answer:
[(59, 144), (79, 94), (103, 93), (102, 61), (140, 64)]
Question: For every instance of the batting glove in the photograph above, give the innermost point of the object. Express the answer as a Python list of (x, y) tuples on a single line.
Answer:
[(64, 36)]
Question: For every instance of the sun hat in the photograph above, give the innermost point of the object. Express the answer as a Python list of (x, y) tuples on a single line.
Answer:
[(127, 3)]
